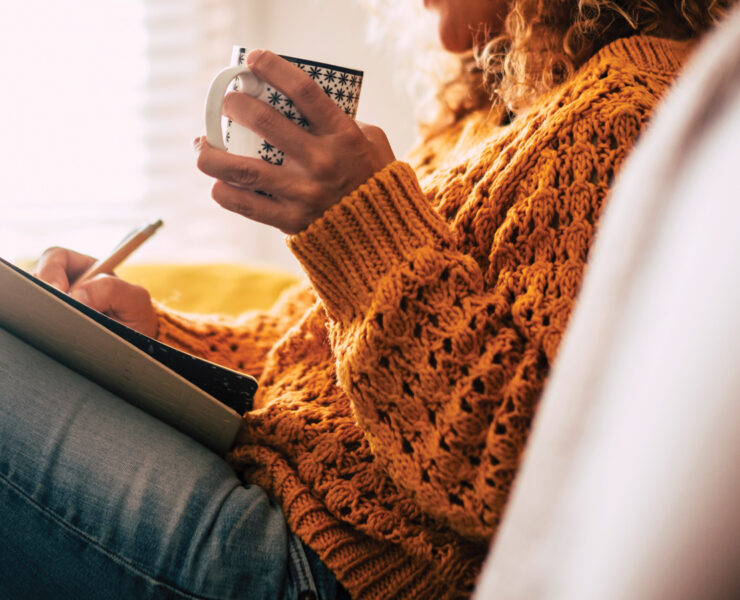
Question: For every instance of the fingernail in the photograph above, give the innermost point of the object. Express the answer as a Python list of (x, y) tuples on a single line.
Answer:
[(197, 143), (81, 296)]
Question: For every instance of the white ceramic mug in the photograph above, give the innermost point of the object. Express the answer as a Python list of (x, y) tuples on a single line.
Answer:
[(341, 84)]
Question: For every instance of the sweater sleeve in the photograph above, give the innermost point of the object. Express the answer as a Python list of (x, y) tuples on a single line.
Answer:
[(241, 343), (443, 364)]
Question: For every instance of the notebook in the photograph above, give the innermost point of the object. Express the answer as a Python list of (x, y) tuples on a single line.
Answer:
[(198, 397)]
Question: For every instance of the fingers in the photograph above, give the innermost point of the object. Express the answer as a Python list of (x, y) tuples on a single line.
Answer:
[(287, 217), (109, 294), (377, 137), (326, 162), (59, 266), (127, 303), (240, 171), (300, 191), (318, 109), (267, 122)]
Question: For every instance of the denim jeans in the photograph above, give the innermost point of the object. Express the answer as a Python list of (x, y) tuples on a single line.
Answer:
[(100, 500)]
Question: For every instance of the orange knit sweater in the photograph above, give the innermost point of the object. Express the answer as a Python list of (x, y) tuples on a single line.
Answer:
[(397, 390)]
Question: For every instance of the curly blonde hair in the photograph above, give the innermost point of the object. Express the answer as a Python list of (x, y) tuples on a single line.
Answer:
[(544, 41)]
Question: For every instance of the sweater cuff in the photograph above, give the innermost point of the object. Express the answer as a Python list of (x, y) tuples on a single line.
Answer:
[(360, 239), (165, 325), (175, 330)]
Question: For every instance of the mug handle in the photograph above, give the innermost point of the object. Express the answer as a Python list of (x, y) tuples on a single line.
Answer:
[(215, 100)]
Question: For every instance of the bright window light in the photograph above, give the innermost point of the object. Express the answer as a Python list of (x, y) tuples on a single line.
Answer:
[(72, 157)]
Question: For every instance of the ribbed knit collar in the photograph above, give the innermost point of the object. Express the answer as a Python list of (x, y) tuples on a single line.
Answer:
[(648, 53)]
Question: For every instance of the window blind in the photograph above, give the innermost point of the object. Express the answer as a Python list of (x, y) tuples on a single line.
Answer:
[(101, 102), (72, 159)]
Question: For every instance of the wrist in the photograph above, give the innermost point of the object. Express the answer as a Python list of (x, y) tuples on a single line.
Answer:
[(365, 236)]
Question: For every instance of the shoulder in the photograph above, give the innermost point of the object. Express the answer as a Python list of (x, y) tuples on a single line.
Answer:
[(657, 57), (598, 112), (629, 75), (603, 107)]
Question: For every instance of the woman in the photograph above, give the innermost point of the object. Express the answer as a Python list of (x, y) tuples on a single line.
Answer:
[(397, 389)]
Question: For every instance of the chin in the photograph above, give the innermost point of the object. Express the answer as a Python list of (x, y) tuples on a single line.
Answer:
[(455, 43)]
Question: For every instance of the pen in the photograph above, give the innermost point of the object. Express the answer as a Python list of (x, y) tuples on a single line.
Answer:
[(120, 253)]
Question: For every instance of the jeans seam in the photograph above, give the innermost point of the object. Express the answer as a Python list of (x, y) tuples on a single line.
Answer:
[(305, 581), (150, 579)]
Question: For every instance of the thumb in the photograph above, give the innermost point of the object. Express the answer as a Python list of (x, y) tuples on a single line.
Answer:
[(127, 303), (377, 137), (80, 294), (100, 294)]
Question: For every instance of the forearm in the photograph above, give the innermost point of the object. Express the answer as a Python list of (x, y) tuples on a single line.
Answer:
[(242, 343), (443, 367)]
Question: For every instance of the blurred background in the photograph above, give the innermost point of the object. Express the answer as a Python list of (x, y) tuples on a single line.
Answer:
[(102, 99)]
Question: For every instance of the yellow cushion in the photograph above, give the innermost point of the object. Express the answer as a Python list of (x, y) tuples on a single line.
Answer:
[(208, 288)]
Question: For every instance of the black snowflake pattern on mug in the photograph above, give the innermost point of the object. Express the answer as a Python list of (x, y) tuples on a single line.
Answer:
[(341, 85)]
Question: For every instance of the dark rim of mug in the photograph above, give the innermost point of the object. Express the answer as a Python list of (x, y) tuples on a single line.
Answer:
[(314, 63)]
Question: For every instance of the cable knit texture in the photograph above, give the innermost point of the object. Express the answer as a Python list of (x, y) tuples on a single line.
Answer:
[(398, 389)]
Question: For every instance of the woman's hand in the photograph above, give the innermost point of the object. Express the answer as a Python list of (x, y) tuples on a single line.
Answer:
[(125, 302), (324, 163)]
